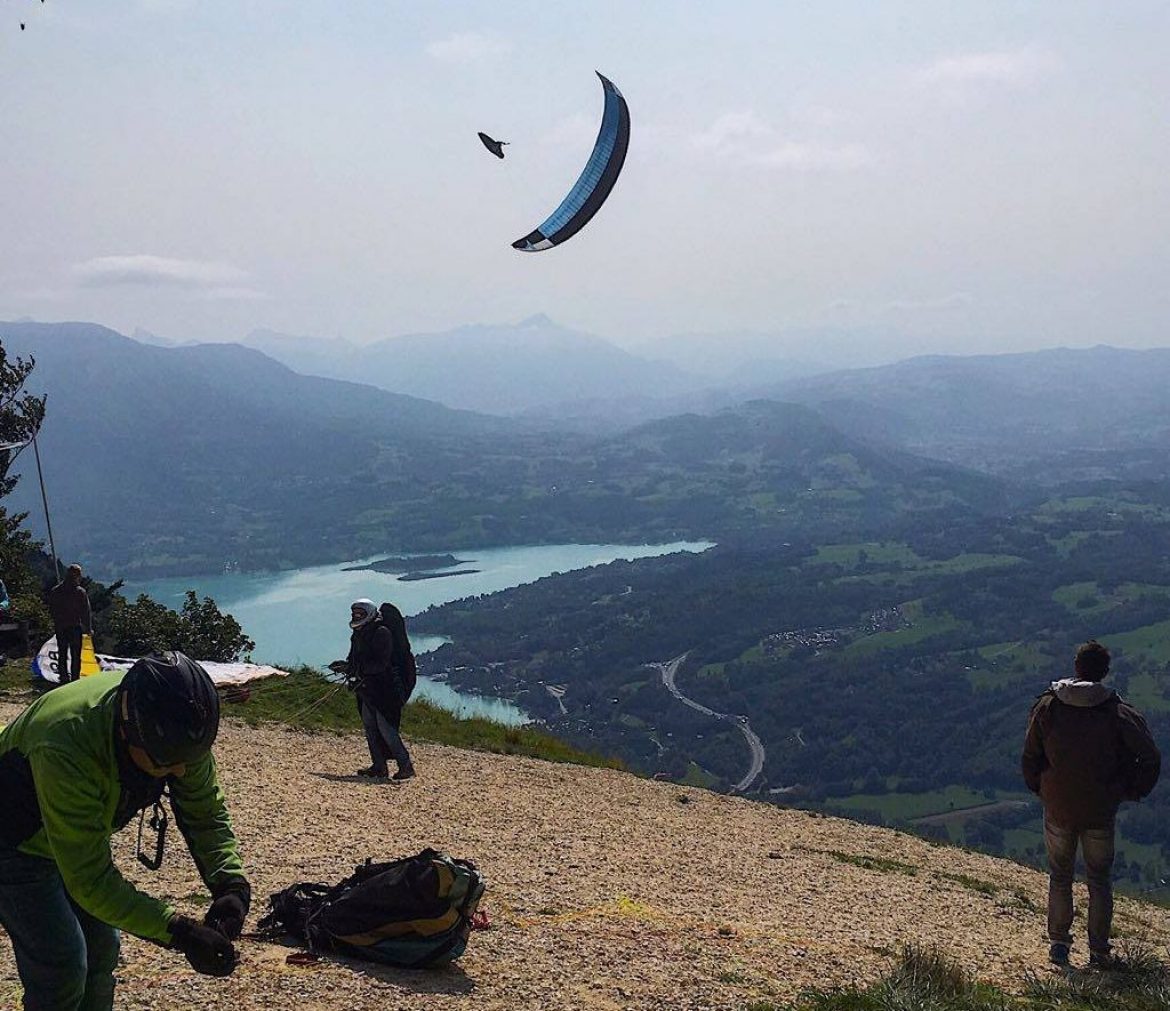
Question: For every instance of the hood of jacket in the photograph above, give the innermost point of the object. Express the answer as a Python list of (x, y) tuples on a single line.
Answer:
[(1074, 692)]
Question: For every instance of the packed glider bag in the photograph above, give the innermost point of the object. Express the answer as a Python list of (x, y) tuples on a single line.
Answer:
[(412, 913)]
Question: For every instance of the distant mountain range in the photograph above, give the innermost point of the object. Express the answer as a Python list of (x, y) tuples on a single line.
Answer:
[(497, 369), (182, 459), (152, 452), (1057, 414)]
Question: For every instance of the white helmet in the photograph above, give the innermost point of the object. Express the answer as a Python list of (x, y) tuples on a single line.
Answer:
[(362, 612)]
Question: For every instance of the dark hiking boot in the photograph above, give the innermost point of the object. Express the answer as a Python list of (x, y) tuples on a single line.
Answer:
[(404, 772), (371, 773), (1105, 960), (1058, 954)]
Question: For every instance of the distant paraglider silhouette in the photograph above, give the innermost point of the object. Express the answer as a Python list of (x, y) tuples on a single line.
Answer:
[(23, 25), (495, 146)]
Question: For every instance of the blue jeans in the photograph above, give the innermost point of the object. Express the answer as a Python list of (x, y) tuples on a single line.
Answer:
[(1097, 850), (65, 957)]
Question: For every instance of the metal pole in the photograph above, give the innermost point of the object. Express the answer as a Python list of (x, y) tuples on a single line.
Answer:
[(45, 502)]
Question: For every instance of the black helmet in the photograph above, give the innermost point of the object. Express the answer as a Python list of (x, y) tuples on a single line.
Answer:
[(172, 709)]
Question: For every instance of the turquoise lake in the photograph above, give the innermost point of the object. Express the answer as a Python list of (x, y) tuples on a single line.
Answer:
[(301, 615)]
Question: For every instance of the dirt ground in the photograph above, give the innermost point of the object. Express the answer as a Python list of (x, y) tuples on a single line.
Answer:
[(604, 890)]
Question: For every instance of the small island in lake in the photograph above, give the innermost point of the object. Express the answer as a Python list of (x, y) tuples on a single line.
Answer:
[(409, 564), (411, 577)]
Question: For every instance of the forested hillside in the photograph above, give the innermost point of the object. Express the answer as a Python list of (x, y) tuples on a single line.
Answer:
[(889, 678)]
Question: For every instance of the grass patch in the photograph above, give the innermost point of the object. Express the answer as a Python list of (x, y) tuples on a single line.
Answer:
[(698, 776), (307, 701), (924, 979), (881, 864), (1141, 983), (968, 882), (16, 678)]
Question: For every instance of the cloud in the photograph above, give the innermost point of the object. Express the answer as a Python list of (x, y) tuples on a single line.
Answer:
[(812, 156), (1004, 67), (955, 300), (214, 281), (165, 6), (731, 130), (235, 293), (469, 47), (155, 272), (747, 138)]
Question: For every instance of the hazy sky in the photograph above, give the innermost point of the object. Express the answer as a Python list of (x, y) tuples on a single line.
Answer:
[(965, 176)]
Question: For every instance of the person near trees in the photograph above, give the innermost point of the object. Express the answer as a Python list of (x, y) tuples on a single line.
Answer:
[(72, 618), (1086, 751), (75, 767), (370, 670)]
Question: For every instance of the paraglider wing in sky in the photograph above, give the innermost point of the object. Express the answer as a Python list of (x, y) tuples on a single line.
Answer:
[(601, 172), (495, 146)]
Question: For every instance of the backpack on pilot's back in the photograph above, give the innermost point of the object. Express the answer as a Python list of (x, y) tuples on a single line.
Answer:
[(402, 656), (412, 913)]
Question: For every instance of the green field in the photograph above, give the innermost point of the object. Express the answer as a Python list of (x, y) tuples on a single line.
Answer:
[(1067, 544), (921, 627), (880, 553), (1145, 692), (908, 806), (1086, 598), (970, 562), (1150, 642)]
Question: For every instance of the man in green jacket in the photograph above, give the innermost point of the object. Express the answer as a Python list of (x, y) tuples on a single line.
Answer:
[(75, 767)]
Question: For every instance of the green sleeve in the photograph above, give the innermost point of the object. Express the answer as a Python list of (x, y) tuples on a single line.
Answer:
[(202, 816), (74, 817)]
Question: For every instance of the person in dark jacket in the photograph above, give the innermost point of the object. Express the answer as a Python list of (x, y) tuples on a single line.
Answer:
[(69, 609), (1085, 752), (380, 693), (75, 767)]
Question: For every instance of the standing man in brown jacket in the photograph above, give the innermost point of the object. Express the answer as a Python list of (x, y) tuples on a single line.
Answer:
[(1086, 751), (69, 609)]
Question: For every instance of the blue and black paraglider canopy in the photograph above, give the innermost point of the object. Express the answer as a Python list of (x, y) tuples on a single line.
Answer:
[(596, 181)]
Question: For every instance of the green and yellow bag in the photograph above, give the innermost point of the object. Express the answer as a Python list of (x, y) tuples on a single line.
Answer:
[(412, 913)]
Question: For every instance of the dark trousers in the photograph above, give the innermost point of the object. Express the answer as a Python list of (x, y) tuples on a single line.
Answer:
[(69, 653), (383, 738), (1097, 849), (65, 957)]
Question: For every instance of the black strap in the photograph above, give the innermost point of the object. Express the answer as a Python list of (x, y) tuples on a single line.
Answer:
[(158, 824)]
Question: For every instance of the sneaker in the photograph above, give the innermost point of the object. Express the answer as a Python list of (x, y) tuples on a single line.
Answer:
[(404, 772), (371, 773), (1058, 954)]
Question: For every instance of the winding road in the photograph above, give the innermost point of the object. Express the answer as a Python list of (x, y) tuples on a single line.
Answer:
[(669, 670)]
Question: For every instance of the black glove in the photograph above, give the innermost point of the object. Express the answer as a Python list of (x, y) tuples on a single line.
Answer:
[(229, 908), (208, 951)]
